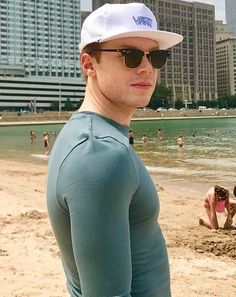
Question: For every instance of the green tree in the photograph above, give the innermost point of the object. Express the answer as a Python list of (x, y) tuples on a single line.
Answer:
[(179, 104), (68, 105), (208, 103), (232, 101), (79, 103), (161, 97), (227, 101), (193, 105), (55, 106)]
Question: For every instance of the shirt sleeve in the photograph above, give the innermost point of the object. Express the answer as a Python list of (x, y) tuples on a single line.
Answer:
[(97, 190)]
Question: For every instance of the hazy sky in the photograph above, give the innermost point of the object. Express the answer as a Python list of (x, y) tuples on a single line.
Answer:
[(219, 6), (86, 5)]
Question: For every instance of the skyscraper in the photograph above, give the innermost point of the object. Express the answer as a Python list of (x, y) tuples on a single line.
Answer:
[(225, 60), (39, 57), (230, 13), (192, 70), (221, 31), (41, 36), (226, 66)]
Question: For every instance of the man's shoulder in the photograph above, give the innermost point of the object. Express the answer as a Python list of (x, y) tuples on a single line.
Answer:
[(87, 137), (97, 127)]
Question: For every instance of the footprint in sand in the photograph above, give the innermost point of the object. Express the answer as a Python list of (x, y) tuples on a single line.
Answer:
[(3, 253)]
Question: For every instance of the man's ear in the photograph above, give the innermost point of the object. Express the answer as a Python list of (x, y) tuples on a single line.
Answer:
[(87, 64)]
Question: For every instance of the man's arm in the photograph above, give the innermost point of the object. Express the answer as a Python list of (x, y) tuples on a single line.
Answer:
[(98, 199)]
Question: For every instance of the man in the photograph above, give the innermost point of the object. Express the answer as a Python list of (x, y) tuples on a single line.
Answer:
[(102, 202), (131, 137)]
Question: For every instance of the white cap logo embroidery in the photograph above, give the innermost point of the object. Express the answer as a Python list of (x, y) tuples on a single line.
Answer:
[(141, 20)]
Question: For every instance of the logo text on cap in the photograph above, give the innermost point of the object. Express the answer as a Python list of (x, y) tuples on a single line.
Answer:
[(141, 20)]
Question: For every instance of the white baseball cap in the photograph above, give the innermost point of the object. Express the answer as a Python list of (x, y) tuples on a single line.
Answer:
[(114, 21)]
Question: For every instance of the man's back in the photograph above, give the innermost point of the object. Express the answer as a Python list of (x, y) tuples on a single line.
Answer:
[(103, 207)]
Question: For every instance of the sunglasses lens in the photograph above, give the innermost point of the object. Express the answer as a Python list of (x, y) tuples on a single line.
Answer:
[(133, 58), (158, 58)]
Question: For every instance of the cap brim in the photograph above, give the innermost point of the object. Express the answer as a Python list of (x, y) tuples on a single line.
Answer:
[(165, 39)]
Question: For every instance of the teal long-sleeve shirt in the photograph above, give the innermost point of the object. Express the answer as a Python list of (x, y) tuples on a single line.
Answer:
[(103, 208)]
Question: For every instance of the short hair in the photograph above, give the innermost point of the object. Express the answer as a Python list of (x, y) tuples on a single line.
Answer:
[(221, 193), (92, 50), (235, 191)]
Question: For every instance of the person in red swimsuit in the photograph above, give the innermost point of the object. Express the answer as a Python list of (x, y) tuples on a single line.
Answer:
[(216, 201)]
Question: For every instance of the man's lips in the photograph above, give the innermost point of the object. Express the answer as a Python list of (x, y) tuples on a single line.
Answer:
[(141, 84)]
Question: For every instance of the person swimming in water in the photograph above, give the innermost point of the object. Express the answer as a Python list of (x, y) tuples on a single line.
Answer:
[(32, 136), (180, 141)]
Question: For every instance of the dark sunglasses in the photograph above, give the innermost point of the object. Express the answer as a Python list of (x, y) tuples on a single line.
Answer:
[(133, 57)]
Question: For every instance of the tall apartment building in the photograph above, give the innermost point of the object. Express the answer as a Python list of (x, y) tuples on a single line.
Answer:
[(230, 13), (225, 60), (226, 66), (39, 39), (221, 31), (191, 71)]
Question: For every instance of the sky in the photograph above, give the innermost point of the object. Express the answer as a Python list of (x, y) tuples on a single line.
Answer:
[(86, 5), (219, 6)]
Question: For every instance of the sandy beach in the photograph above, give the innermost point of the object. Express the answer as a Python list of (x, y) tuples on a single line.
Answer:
[(202, 263)]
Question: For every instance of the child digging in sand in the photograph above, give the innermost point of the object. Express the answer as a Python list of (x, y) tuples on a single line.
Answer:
[(217, 200)]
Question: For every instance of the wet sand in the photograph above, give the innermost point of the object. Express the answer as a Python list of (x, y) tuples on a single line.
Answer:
[(202, 263)]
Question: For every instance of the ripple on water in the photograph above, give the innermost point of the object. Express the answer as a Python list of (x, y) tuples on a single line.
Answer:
[(201, 173), (223, 162)]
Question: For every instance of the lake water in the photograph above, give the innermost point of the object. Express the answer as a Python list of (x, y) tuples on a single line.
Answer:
[(209, 156)]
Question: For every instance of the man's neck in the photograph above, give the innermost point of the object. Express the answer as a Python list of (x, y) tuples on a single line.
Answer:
[(98, 103)]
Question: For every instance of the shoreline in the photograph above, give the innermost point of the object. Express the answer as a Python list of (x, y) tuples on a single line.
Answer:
[(54, 122), (201, 262), (14, 119), (29, 123)]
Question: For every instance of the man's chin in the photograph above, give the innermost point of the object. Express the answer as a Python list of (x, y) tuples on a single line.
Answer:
[(143, 104)]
